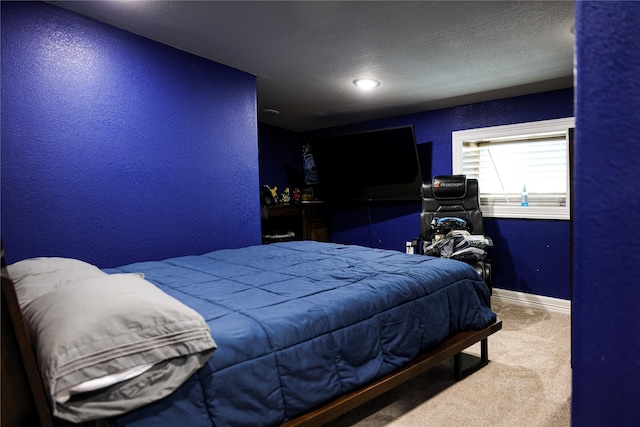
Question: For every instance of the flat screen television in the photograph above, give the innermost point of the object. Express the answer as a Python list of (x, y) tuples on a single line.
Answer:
[(379, 165)]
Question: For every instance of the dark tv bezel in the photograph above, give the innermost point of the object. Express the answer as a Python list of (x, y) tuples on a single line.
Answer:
[(405, 191)]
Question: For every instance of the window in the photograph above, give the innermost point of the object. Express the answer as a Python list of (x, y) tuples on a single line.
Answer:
[(507, 160)]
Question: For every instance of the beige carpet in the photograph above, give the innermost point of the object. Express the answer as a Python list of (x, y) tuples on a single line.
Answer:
[(526, 383)]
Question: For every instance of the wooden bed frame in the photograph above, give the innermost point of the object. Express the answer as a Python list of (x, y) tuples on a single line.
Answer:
[(24, 401)]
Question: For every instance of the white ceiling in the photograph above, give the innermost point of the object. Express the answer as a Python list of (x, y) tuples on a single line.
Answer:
[(426, 54)]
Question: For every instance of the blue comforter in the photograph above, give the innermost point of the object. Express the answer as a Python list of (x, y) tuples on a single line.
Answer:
[(299, 323)]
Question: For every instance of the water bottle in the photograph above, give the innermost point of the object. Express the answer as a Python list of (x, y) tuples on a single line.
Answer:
[(524, 197)]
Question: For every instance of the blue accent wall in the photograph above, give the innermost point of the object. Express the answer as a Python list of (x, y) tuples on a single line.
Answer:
[(531, 256), (118, 149), (280, 157), (606, 294)]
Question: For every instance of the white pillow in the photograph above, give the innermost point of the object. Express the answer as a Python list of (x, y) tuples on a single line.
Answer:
[(34, 277)]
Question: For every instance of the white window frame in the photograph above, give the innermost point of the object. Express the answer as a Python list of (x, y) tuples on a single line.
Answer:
[(544, 126)]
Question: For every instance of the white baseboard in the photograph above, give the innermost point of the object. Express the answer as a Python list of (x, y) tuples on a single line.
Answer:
[(531, 300)]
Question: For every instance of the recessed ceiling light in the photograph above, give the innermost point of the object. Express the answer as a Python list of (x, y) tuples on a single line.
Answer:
[(271, 112), (366, 83)]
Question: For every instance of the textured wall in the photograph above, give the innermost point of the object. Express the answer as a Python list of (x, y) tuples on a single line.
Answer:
[(280, 157), (116, 148), (606, 294)]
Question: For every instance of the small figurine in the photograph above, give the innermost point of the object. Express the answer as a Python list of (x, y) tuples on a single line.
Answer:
[(285, 197), (307, 195), (297, 195), (274, 192), (266, 196)]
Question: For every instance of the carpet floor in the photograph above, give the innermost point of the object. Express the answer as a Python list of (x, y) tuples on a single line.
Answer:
[(526, 383)]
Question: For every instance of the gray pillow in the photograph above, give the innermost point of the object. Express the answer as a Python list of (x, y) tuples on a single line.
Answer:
[(93, 327), (36, 276)]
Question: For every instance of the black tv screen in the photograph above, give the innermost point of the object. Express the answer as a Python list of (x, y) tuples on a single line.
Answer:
[(380, 165)]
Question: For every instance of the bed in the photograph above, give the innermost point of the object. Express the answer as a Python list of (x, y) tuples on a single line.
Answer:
[(299, 332)]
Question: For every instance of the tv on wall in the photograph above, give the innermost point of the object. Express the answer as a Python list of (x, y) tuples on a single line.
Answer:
[(379, 165)]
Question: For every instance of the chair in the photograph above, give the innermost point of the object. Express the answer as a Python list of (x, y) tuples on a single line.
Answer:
[(451, 223)]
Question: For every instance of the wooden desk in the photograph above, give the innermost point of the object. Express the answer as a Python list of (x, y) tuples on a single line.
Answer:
[(307, 220)]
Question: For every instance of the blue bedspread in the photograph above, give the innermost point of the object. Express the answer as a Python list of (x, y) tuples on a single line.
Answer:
[(299, 323)]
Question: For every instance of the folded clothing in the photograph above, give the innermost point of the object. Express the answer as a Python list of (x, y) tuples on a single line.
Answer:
[(458, 244)]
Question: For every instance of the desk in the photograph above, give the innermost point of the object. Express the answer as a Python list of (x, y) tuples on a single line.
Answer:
[(308, 220)]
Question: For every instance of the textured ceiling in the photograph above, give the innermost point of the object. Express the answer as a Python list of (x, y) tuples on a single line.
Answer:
[(306, 54)]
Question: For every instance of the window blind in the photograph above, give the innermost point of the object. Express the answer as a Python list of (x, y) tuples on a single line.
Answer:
[(504, 166)]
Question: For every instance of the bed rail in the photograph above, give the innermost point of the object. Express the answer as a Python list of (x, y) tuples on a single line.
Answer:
[(451, 348), (20, 376)]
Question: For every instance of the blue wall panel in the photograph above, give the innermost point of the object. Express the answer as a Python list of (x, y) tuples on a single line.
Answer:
[(531, 256), (280, 158), (116, 148), (378, 225), (606, 294)]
